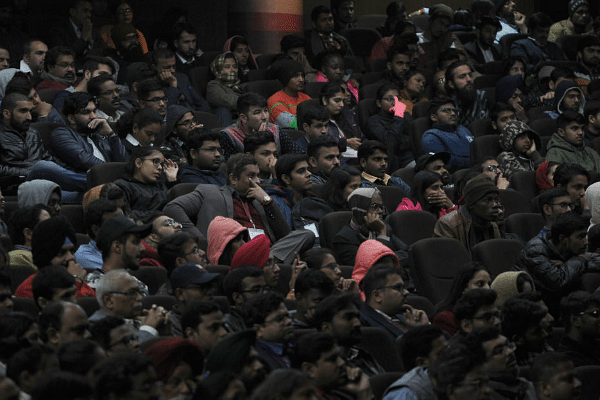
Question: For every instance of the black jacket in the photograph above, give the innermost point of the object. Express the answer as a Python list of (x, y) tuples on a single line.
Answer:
[(347, 241), (143, 198), (19, 151)]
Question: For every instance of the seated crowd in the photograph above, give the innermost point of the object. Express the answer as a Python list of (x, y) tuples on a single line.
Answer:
[(279, 230)]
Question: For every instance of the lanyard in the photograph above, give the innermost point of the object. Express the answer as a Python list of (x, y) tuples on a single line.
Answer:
[(247, 211)]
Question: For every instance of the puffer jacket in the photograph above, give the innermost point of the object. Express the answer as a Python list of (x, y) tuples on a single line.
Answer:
[(143, 198), (561, 151), (20, 151), (78, 154)]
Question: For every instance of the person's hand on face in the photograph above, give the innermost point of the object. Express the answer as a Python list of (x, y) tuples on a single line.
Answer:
[(76, 269), (43, 108), (441, 200), (100, 126), (414, 317), (168, 77), (255, 192), (374, 222)]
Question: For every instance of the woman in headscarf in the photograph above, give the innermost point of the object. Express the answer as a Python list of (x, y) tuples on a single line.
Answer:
[(223, 92)]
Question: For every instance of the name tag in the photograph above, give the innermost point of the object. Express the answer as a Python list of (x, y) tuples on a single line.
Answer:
[(253, 232)]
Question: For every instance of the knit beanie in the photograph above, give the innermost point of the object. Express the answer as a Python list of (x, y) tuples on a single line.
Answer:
[(119, 31), (221, 231), (286, 70), (255, 253), (174, 113), (91, 195), (440, 11), (49, 237), (575, 4), (231, 352), (169, 353), (505, 285), (476, 188), (359, 201), (507, 86)]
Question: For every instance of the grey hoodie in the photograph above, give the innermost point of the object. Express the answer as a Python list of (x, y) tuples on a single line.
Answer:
[(559, 95), (37, 191)]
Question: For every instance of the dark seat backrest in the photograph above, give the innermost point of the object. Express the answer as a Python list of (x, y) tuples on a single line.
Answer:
[(331, 224), (498, 255), (313, 89), (105, 172), (513, 202), (180, 189), (412, 226), (266, 88), (153, 277), (365, 109), (74, 213), (481, 127), (483, 146), (526, 225), (524, 183), (207, 120), (544, 126), (382, 347), (421, 110), (391, 196), (45, 129), (418, 127)]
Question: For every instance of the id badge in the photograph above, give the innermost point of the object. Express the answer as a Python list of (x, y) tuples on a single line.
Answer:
[(253, 232)]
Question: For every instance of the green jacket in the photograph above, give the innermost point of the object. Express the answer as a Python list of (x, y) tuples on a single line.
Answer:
[(561, 151)]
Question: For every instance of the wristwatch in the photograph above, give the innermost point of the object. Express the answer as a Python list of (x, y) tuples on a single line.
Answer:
[(266, 200)]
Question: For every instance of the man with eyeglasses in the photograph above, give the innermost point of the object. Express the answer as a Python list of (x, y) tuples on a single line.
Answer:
[(189, 282), (476, 220), (115, 336), (500, 364), (241, 285), (152, 95), (59, 69), (105, 91), (204, 158), (267, 314), (557, 261), (162, 226), (385, 305), (476, 309), (580, 312), (447, 135), (552, 203), (119, 295), (489, 167), (88, 140), (180, 122)]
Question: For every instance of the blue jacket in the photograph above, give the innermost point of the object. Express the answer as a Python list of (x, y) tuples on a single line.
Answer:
[(190, 174), (457, 143), (77, 153), (283, 197)]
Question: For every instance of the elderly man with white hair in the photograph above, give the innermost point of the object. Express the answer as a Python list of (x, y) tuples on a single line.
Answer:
[(118, 294)]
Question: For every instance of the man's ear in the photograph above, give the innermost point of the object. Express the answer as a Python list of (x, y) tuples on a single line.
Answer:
[(27, 233), (422, 362), (450, 83), (494, 125), (180, 261), (259, 330), (107, 300), (327, 327), (305, 126), (134, 87), (70, 119), (547, 209), (561, 132), (286, 179), (237, 298), (466, 325), (179, 295), (87, 75), (433, 117), (116, 247), (389, 66), (41, 302), (53, 336), (309, 369), (6, 114), (243, 118), (312, 162), (233, 179), (363, 162), (575, 321)]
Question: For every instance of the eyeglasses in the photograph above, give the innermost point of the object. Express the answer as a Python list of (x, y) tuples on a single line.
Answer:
[(377, 207), (595, 313), (111, 92), (129, 293), (441, 80), (257, 289), (188, 123), (398, 287), (449, 110), (212, 149), (157, 100), (126, 341), (196, 250), (157, 162), (171, 222), (279, 319), (125, 11), (511, 346), (489, 317), (67, 65), (494, 168), (564, 205)]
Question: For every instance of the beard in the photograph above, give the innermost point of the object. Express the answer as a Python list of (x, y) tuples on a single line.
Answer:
[(467, 94), (133, 53)]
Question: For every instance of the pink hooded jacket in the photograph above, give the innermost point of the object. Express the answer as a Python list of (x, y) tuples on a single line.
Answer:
[(221, 231), (369, 252)]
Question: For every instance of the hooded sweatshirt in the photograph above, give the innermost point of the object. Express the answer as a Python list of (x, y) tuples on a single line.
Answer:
[(37, 191), (174, 148), (369, 252), (510, 160), (505, 285), (561, 151), (592, 197), (559, 96), (221, 231)]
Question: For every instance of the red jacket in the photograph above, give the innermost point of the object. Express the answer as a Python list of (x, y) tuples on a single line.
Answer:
[(24, 289)]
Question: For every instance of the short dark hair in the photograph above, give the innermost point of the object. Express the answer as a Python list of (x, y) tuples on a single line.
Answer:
[(538, 20), (450, 54), (566, 224), (310, 347), (315, 146), (76, 102), (452, 365), (332, 305), (54, 53), (233, 280), (29, 359), (193, 312), (26, 217), (548, 197), (519, 315), (450, 73), (197, 137), (161, 54), (20, 83), (368, 147), (95, 83), (417, 342), (566, 172), (470, 302), (113, 375), (313, 279), (49, 279), (258, 308), (250, 99), (561, 72), (286, 164), (10, 101), (254, 140), (314, 113), (376, 277), (591, 108), (318, 10), (437, 103), (568, 117), (148, 86), (93, 63), (574, 304), (28, 43), (545, 366), (94, 212), (587, 41), (487, 20), (289, 42), (101, 330), (61, 385), (78, 356), (498, 108), (396, 49), (171, 247), (182, 27), (51, 317), (238, 163)]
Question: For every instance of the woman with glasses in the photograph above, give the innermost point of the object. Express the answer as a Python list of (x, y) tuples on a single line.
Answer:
[(389, 128), (144, 182), (367, 222), (427, 194), (139, 128)]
